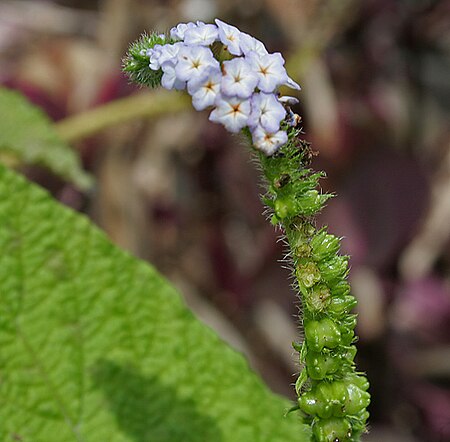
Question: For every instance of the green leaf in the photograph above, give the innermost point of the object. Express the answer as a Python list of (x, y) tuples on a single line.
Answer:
[(28, 137), (96, 346)]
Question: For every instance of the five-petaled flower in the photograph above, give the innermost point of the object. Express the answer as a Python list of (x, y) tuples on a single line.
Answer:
[(243, 90)]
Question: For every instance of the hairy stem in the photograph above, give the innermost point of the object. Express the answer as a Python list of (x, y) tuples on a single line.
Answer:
[(331, 394)]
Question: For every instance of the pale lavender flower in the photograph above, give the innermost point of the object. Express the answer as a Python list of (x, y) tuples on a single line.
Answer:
[(177, 32), (266, 112), (250, 44), (230, 36), (193, 61), (269, 70), (161, 54), (169, 79), (205, 89), (203, 35), (238, 78), (232, 112), (268, 142)]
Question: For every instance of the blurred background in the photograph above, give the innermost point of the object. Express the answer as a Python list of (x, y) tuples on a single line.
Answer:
[(180, 192)]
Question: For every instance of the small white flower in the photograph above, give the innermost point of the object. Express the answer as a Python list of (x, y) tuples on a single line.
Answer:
[(250, 44), (177, 33), (193, 61), (232, 112), (161, 54), (169, 79), (202, 34), (266, 112), (268, 142), (230, 36), (238, 78), (204, 90), (269, 69)]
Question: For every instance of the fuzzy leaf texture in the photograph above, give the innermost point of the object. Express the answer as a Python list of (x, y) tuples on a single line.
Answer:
[(27, 137), (96, 346)]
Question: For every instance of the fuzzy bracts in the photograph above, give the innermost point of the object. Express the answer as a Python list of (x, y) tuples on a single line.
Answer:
[(232, 73)]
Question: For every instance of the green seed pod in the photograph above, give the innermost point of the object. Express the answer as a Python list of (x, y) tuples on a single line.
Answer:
[(324, 245), (334, 269), (348, 355), (320, 365), (325, 399), (320, 334), (334, 429), (318, 298), (338, 399), (340, 305), (357, 400), (360, 381), (307, 274)]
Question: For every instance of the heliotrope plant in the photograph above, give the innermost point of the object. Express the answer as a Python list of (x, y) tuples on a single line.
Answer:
[(232, 73)]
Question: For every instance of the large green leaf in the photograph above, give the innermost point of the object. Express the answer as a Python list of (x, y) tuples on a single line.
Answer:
[(27, 136), (96, 346)]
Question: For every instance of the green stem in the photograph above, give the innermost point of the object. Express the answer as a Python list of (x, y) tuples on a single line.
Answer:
[(144, 105), (331, 394)]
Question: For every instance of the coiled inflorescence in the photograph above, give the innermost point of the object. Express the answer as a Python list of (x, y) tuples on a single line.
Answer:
[(233, 73), (240, 83)]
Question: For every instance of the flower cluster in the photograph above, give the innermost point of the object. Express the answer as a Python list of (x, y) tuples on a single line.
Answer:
[(242, 90)]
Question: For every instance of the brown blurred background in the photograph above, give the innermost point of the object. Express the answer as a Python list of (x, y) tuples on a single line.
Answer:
[(183, 194)]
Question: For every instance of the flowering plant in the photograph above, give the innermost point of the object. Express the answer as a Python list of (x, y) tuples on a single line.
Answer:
[(243, 90), (232, 72)]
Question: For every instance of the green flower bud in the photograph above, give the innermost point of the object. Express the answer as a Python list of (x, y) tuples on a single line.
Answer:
[(320, 334), (324, 245)]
